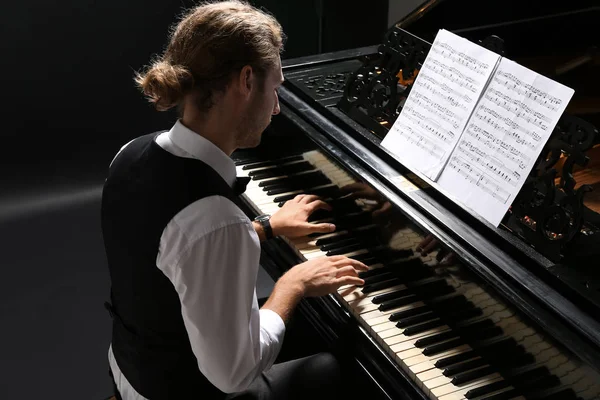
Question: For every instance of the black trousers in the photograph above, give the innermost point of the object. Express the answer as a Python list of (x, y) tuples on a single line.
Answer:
[(313, 377)]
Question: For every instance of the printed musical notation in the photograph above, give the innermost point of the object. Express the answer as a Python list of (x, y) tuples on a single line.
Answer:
[(422, 142), (434, 83), (541, 97), (447, 51), (440, 103), (502, 140), (479, 179)]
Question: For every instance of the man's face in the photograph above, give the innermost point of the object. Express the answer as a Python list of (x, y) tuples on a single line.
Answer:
[(263, 105)]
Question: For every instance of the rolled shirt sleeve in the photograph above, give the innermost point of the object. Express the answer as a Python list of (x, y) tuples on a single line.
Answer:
[(210, 252)]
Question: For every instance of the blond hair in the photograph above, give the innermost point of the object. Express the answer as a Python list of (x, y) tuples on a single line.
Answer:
[(209, 44)]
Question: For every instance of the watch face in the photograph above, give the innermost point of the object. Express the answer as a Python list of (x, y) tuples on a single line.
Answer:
[(263, 217)]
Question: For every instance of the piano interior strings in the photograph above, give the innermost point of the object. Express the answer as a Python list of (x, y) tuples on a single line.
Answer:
[(484, 314)]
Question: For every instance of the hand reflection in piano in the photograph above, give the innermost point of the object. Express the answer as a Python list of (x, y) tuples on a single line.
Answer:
[(443, 256), (381, 208)]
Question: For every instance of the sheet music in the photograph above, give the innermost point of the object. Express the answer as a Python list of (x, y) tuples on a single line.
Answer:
[(443, 97), (505, 135)]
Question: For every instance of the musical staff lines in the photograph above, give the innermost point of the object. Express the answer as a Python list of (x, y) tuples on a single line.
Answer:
[(421, 141), (495, 120), (443, 95), (479, 179), (451, 74), (512, 83), (428, 125), (439, 109), (474, 64), (424, 76)]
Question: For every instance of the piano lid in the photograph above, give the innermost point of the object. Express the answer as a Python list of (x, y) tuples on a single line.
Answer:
[(556, 39)]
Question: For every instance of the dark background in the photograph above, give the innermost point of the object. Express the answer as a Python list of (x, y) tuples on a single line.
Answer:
[(67, 69), (68, 104)]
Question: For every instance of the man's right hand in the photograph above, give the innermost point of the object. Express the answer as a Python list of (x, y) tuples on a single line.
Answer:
[(324, 275), (312, 278)]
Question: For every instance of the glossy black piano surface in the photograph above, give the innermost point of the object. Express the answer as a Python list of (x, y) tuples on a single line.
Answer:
[(497, 320)]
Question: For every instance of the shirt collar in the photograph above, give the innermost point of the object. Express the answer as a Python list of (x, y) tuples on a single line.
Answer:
[(204, 150)]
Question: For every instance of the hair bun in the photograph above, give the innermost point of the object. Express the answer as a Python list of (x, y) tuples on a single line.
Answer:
[(165, 85)]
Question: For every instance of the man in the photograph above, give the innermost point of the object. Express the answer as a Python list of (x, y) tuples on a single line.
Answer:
[(183, 257)]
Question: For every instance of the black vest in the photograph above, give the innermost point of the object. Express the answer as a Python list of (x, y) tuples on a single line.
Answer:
[(146, 187)]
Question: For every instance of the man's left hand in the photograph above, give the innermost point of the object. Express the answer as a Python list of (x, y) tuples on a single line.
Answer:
[(292, 219)]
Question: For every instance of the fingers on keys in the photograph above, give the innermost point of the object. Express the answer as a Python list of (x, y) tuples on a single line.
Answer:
[(320, 228), (341, 261)]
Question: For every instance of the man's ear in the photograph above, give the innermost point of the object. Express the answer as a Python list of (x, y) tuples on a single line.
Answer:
[(247, 80)]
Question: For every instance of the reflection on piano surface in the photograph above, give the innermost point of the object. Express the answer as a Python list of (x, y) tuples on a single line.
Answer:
[(449, 331), (485, 314)]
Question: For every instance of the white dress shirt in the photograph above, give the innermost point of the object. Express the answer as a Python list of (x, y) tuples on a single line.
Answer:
[(210, 252)]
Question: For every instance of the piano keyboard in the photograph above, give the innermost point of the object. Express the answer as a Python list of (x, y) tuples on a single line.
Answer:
[(448, 334)]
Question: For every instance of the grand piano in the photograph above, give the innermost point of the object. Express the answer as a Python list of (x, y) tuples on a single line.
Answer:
[(452, 307)]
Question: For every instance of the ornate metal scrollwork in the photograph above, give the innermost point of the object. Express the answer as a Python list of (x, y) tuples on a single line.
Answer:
[(375, 93), (549, 215)]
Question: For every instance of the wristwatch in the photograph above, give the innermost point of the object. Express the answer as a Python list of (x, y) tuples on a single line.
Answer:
[(263, 220)]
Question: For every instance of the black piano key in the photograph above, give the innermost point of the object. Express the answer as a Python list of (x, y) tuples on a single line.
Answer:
[(413, 330), (448, 302), (469, 376), (414, 320), (369, 261), (490, 348), (487, 389), (268, 163), (441, 347), (369, 280), (347, 249), (437, 338), (363, 258), (466, 331), (381, 285), (466, 309), (398, 315), (464, 367), (274, 192), (401, 268), (375, 271), (424, 295), (282, 170), (506, 395), (456, 358), (346, 241), (366, 233), (396, 294), (404, 301)]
